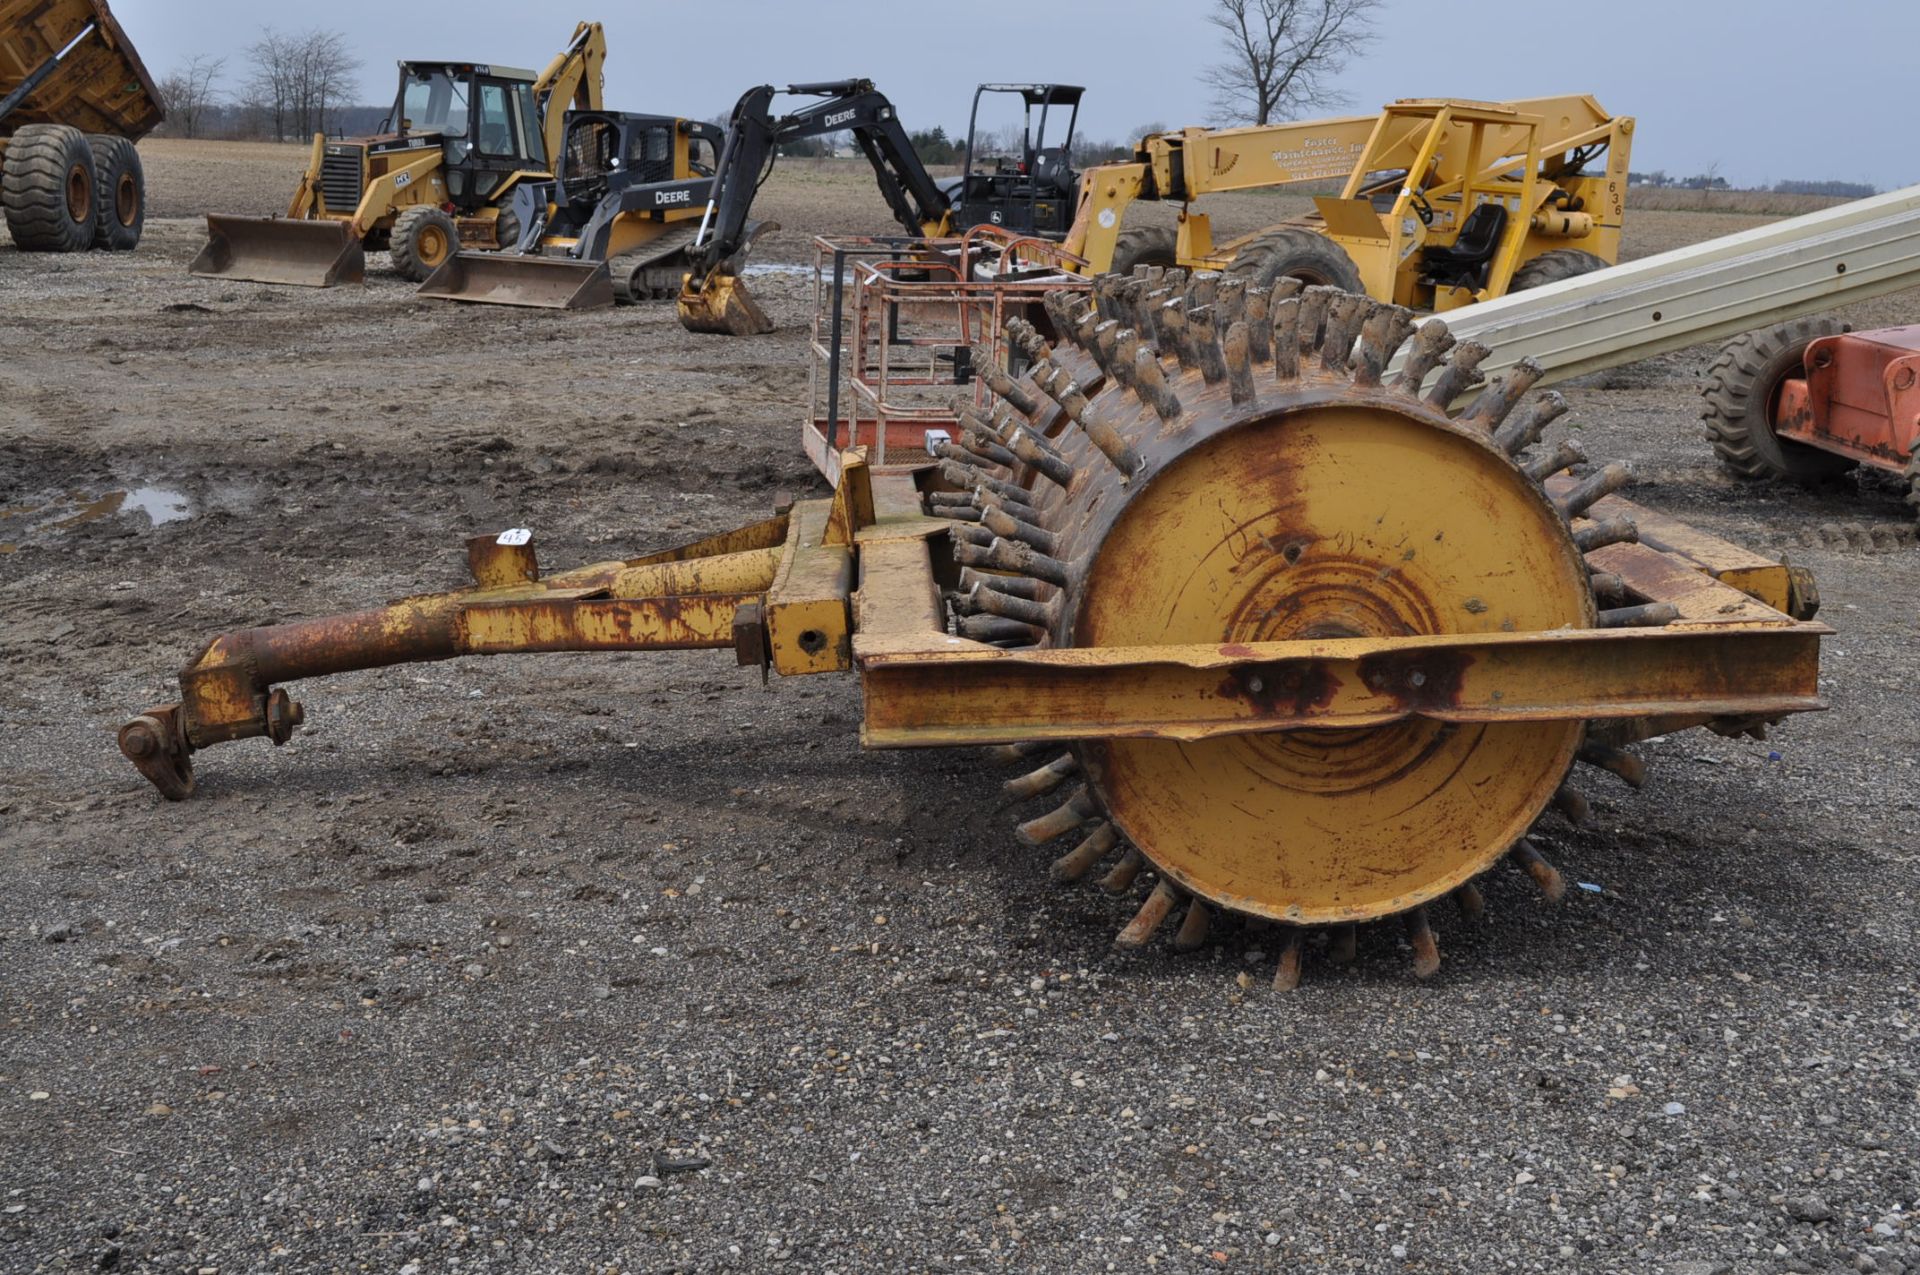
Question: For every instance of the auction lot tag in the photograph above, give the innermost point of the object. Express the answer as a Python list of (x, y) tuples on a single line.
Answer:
[(515, 536)]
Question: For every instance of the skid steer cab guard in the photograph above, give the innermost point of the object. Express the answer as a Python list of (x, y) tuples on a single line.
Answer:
[(1282, 634)]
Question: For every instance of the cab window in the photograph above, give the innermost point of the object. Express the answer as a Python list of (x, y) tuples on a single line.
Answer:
[(435, 102), (527, 117), (495, 121)]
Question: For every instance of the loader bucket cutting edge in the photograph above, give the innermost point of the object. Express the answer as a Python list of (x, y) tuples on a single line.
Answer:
[(504, 278), (724, 307), (306, 254)]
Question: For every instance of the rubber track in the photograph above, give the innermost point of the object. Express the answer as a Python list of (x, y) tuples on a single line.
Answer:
[(627, 267)]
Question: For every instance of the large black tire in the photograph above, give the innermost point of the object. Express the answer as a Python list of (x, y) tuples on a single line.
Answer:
[(1742, 390), (1553, 266), (119, 193), (47, 189), (1147, 246), (422, 239), (1292, 252), (506, 230)]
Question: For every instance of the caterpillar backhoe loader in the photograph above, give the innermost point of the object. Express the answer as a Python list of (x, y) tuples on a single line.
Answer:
[(1445, 202), (442, 171)]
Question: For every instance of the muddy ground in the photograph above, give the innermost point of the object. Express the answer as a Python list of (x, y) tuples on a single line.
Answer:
[(579, 963)]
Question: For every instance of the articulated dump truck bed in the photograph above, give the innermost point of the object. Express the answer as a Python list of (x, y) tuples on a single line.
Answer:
[(1271, 634), (68, 62)]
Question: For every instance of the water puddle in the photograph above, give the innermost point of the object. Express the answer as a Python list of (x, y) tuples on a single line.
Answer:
[(26, 523)]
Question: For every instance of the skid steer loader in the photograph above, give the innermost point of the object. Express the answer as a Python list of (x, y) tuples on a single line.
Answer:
[(441, 172), (612, 225)]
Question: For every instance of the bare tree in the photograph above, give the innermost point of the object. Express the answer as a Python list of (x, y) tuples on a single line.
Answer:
[(300, 82), (329, 79), (189, 95), (1281, 55)]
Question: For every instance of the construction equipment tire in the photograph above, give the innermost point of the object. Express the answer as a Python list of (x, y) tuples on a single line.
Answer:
[(47, 189), (1552, 267), (1289, 252), (423, 238), (1742, 391), (119, 193), (506, 230), (1147, 246)]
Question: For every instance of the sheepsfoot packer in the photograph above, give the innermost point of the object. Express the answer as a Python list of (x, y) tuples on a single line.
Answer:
[(1273, 634)]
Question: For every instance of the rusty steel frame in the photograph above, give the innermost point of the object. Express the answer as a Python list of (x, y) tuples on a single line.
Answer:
[(862, 392), (1729, 656), (855, 583)]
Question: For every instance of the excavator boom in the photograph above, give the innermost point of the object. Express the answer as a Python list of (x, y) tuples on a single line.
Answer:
[(713, 299)]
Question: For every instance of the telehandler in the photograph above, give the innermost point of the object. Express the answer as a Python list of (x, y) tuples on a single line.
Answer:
[(1444, 203), (440, 173)]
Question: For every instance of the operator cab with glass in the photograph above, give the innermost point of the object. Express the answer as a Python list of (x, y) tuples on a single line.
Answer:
[(1020, 176), (486, 118)]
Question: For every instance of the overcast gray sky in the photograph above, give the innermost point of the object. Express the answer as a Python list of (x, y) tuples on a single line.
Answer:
[(1766, 89)]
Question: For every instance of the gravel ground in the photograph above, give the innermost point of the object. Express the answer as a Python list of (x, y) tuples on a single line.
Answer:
[(592, 963)]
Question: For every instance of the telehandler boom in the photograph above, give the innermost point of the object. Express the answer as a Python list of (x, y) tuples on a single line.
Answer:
[(441, 172)]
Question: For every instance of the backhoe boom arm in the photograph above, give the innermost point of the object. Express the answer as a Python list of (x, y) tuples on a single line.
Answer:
[(572, 80)]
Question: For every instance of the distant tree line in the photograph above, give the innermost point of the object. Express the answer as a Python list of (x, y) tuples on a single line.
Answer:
[(295, 85), (1660, 179)]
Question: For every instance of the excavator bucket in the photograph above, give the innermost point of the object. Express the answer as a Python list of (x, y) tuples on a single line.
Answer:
[(723, 306), (511, 278), (307, 254)]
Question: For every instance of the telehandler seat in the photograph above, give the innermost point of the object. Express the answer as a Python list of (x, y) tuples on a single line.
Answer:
[(1463, 264)]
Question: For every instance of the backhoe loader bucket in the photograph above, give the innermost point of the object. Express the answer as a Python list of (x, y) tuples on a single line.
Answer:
[(511, 278), (724, 306), (307, 254)]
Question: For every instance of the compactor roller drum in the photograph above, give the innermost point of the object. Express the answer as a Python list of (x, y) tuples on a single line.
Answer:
[(1206, 462)]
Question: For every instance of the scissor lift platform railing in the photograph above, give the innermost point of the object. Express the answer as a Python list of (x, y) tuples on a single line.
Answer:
[(895, 324)]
